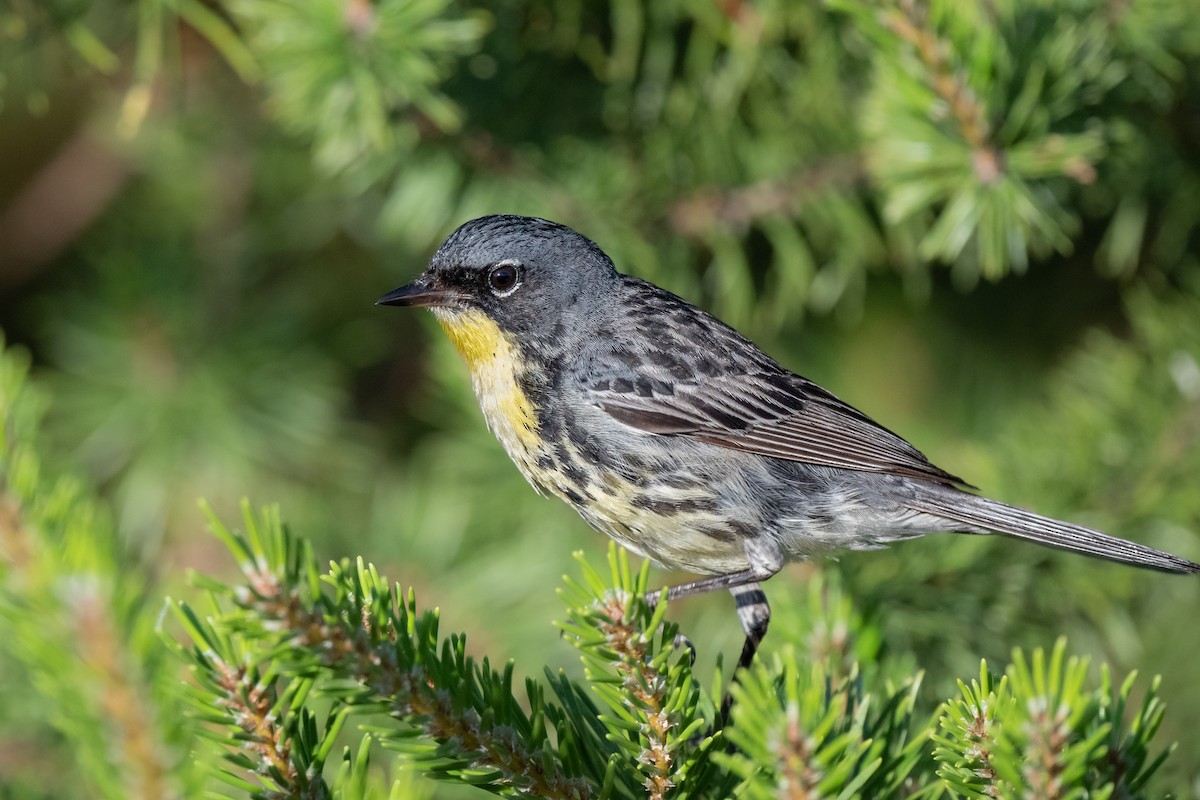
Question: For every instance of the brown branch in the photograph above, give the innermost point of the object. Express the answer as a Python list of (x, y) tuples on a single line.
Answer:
[(122, 698), (57, 205), (740, 207), (979, 738), (799, 779), (16, 545), (1048, 739), (646, 685), (250, 703), (103, 653)]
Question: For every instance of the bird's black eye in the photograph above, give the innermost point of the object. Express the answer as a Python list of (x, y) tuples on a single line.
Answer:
[(504, 278)]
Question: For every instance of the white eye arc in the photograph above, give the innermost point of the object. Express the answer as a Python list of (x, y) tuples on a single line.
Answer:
[(505, 278)]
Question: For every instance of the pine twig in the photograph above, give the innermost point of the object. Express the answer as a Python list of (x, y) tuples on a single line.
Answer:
[(908, 21), (410, 690)]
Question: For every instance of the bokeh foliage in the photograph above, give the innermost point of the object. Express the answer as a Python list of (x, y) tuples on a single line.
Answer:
[(975, 220)]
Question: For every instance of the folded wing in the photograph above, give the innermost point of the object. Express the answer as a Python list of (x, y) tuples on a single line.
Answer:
[(768, 413)]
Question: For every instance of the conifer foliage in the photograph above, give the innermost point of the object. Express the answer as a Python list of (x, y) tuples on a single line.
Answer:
[(202, 199), (289, 661)]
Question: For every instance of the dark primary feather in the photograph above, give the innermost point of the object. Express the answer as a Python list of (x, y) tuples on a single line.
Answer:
[(704, 380)]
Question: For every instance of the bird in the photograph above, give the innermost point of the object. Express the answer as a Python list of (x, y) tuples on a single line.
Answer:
[(677, 436)]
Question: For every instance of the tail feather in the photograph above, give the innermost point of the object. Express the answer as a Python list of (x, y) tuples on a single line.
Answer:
[(980, 512)]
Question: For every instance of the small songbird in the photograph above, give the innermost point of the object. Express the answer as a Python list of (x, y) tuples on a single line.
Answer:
[(677, 436)]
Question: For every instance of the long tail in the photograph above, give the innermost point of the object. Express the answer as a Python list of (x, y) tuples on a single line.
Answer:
[(980, 512)]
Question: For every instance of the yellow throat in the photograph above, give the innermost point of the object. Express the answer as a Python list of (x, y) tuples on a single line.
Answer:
[(492, 359)]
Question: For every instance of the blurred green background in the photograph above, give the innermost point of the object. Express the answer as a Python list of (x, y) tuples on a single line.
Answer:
[(979, 222)]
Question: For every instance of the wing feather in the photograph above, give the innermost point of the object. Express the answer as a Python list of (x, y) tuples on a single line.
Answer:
[(688, 374), (812, 426)]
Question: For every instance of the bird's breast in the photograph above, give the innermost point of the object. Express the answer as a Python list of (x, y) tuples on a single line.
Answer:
[(495, 363)]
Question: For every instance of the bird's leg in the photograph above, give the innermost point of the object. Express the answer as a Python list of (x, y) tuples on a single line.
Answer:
[(755, 614), (730, 581)]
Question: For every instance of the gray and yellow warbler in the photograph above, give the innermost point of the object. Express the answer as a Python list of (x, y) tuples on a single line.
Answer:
[(677, 436)]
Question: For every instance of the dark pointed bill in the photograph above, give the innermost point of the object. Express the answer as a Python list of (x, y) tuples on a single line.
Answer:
[(421, 293)]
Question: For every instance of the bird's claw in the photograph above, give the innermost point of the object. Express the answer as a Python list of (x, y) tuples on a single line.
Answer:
[(683, 641)]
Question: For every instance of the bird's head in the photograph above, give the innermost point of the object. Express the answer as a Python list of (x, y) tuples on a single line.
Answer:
[(532, 279)]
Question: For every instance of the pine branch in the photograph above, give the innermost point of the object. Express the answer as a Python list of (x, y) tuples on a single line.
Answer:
[(376, 653), (635, 661), (1039, 732), (76, 616), (908, 20), (284, 660), (796, 728)]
